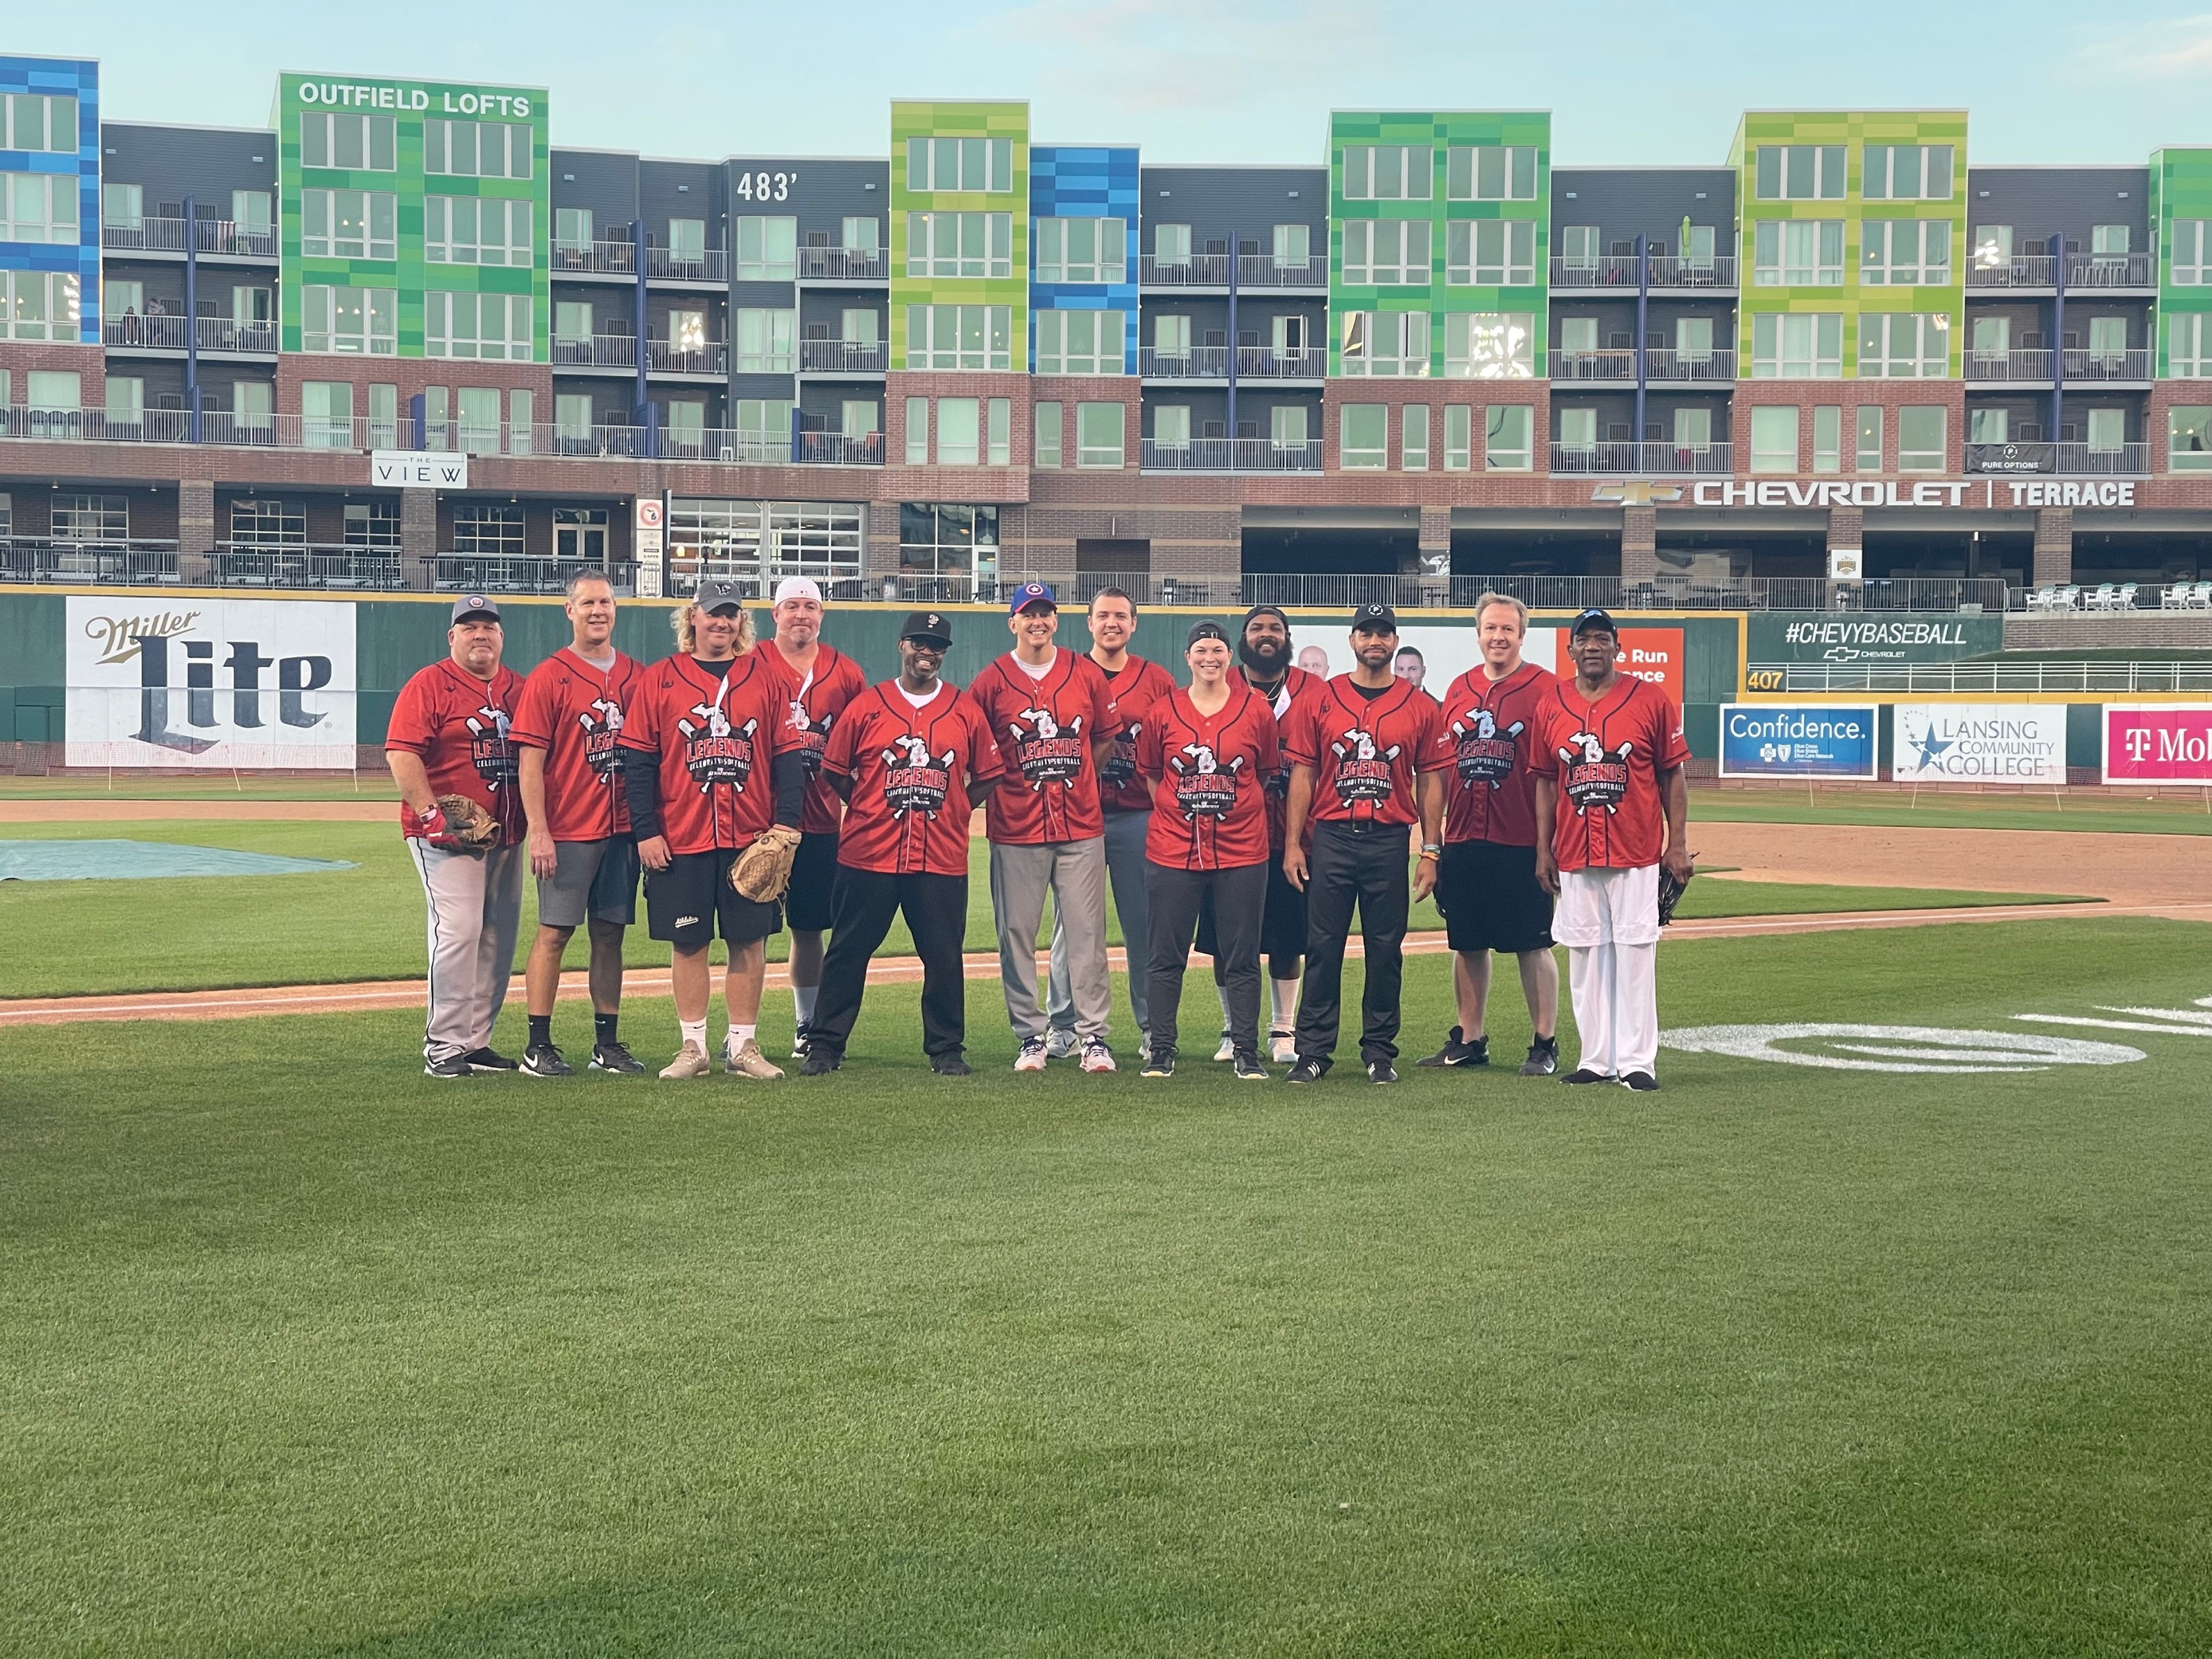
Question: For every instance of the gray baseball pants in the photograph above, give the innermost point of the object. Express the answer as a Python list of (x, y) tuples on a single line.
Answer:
[(1125, 870), (476, 907), (1074, 873)]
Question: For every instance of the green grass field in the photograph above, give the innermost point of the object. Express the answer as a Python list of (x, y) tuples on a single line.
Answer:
[(308, 1355), (1891, 809)]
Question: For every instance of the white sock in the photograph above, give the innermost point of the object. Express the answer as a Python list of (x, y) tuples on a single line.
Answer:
[(1283, 993), (695, 1031), (741, 1034), (1221, 992), (804, 995)]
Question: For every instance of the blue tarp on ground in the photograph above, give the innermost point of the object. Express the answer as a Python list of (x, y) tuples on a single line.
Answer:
[(132, 861)]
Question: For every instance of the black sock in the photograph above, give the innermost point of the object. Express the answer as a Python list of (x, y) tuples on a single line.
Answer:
[(603, 1029), (541, 1030), (1548, 1041)]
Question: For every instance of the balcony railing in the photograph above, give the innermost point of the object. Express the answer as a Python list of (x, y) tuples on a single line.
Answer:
[(145, 426), (843, 264), (2131, 365), (1197, 363), (1617, 363), (2018, 270), (707, 264), (144, 235), (1231, 455), (244, 564), (1670, 271), (156, 333), (708, 357), (223, 236), (1668, 364), (2105, 271), (838, 449), (604, 258), (2084, 461), (2125, 679), (162, 236), (597, 351), (61, 559), (1266, 363), (222, 334), (1265, 270), (515, 573), (1671, 593), (1200, 271), (840, 356), (1618, 459), (2029, 365)]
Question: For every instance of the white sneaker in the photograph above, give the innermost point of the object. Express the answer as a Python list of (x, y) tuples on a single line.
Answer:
[(1227, 1051), (1282, 1048), (1061, 1045), (747, 1061), (1098, 1057), (1031, 1057), (690, 1061)]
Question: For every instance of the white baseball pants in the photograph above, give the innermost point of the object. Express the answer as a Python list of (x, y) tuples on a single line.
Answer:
[(476, 907), (1609, 920)]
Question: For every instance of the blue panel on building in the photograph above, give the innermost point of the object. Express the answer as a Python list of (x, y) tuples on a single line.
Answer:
[(1072, 181), (66, 77)]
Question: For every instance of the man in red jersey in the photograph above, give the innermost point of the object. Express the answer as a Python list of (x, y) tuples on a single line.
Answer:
[(580, 848), (1051, 715), (1486, 882), (1133, 685), (824, 680), (1609, 779), (448, 736), (1356, 751), (713, 770), (910, 757)]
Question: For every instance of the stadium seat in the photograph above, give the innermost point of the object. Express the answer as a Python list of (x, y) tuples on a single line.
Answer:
[(2125, 598), (2101, 599), (2178, 596), (2203, 599)]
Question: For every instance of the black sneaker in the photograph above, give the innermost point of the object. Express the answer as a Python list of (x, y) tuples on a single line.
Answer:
[(456, 1065), (489, 1060), (1380, 1070), (1543, 1058), (613, 1057), (1457, 1051), (1309, 1069), (1249, 1068), (821, 1060), (1583, 1074), (951, 1065), (1642, 1082), (1160, 1064), (543, 1060)]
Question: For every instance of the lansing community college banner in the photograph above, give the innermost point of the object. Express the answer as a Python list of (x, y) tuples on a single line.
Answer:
[(1980, 743)]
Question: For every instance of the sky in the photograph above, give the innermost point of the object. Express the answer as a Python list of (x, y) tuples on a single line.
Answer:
[(1209, 81)]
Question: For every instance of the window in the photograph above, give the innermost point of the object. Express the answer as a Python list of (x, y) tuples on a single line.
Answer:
[(490, 327), (1920, 438), (435, 434), (1904, 345), (1099, 435), (1506, 446), (350, 224), (479, 407), (1869, 448), (2108, 430), (917, 432), (763, 425), (1774, 439), (1828, 438), (1171, 244), (1049, 436), (1489, 252), (1807, 346), (1988, 426), (326, 414), (1459, 437), (1799, 172), (956, 431), (860, 326), (489, 529), (1905, 252), (1170, 336), (38, 207), (2192, 253), (1290, 335), (1579, 246), (1490, 345), (687, 426), (1293, 246), (2108, 338), (252, 305), (1693, 430), (91, 517), (250, 211), (475, 230), (1490, 173), (1079, 343), (571, 414), (123, 207), (862, 235), (260, 522), (1697, 246), (1286, 426), (38, 305), (35, 121), (1992, 338), (1387, 172), (572, 230), (985, 164), (581, 533), (358, 320), (687, 331), (767, 247), (766, 340), (2109, 241), (687, 243), (358, 143), (373, 525), (1907, 172), (1797, 253), (1386, 252), (937, 541), (959, 337), (475, 149), (1414, 438), (1993, 247), (858, 418), (1388, 342), (1578, 429), (1363, 436), (383, 415), (2188, 439), (1171, 426), (1079, 250), (959, 244), (1693, 339), (572, 322), (254, 406), (2188, 346), (1578, 336), (126, 399), (998, 431)]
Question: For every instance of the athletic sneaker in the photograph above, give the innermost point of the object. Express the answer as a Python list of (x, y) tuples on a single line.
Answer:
[(489, 1060), (748, 1060), (1382, 1071), (1061, 1045), (1096, 1056), (951, 1065), (1543, 1058), (1457, 1051), (1031, 1057), (799, 1045), (1227, 1051), (690, 1061), (1249, 1068), (1282, 1048), (613, 1057), (1160, 1063), (821, 1060), (1309, 1069), (1583, 1074), (543, 1060), (1642, 1082), (451, 1065)]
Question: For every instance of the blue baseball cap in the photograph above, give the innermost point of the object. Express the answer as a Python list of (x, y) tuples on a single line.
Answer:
[(1030, 593)]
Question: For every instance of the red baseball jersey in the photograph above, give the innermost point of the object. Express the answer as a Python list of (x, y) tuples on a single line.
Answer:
[(459, 726), (1488, 736), (1130, 695), (575, 712), (812, 703), (714, 738), (911, 769), (1298, 687), (1608, 757), (1364, 752), (1210, 803), (1045, 729)]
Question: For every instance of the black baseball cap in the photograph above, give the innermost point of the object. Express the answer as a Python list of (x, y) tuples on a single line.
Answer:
[(475, 607), (1205, 628), (1274, 611), (1375, 619), (927, 627), (1594, 621), (719, 596)]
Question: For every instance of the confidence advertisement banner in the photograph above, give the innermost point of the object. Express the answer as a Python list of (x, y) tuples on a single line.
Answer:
[(1822, 740), (2159, 743), (210, 682), (1980, 743)]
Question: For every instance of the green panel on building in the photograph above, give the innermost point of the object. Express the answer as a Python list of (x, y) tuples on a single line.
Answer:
[(970, 160), (396, 166), (2181, 231)]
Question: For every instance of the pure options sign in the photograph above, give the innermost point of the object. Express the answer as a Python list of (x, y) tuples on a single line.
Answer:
[(2157, 743), (214, 683), (1980, 743)]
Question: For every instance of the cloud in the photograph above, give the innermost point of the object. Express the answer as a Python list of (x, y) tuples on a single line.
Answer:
[(2170, 50)]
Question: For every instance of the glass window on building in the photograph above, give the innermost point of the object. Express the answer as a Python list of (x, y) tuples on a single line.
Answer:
[(1080, 342), (687, 329), (353, 224), (383, 415), (2189, 438), (1385, 342), (1799, 346), (1991, 341), (1049, 436), (1578, 247), (572, 231), (1578, 336), (1489, 252), (1081, 250), (687, 243), (1693, 339), (2109, 242), (2188, 345), (763, 427), (1693, 430), (1414, 438), (89, 518), (766, 340), (1696, 247), (917, 432), (251, 211), (1921, 437), (252, 305), (478, 408), (39, 122), (1363, 437), (572, 322), (2108, 339), (122, 299), (1099, 435), (357, 321), (949, 551), (1906, 173), (767, 247), (123, 207), (260, 522), (372, 524), (687, 425), (38, 207), (959, 337), (488, 327), (1170, 336), (1291, 335), (488, 529), (861, 233), (327, 415), (1293, 246), (1171, 426), (1459, 434), (1828, 438), (572, 414), (1869, 437), (1774, 438), (1490, 345), (1578, 430), (353, 144), (959, 244), (580, 534), (1388, 172), (1905, 252), (1989, 426), (1171, 246), (858, 418), (126, 400), (1904, 345), (1386, 252), (475, 149), (1287, 426), (254, 406), (2191, 264), (957, 432), (2107, 431), (1798, 173), (998, 432), (1993, 247), (1797, 253), (471, 230), (1490, 173), (860, 326), (985, 164), (1507, 444)]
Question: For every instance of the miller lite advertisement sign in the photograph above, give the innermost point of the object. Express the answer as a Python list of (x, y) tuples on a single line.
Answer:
[(211, 684)]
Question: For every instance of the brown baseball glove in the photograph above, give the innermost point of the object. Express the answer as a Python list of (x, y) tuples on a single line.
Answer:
[(470, 829), (762, 871)]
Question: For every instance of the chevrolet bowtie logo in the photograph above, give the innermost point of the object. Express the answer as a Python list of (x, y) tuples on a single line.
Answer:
[(1637, 492)]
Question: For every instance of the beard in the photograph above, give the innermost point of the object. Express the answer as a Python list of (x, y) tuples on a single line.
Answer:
[(1268, 659)]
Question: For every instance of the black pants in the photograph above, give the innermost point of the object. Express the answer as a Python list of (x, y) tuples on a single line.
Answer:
[(1354, 863), (936, 915), (1239, 898)]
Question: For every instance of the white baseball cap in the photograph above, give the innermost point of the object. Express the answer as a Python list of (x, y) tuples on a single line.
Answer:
[(796, 587)]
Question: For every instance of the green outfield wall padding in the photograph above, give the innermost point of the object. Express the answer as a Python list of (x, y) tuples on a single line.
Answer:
[(2085, 736)]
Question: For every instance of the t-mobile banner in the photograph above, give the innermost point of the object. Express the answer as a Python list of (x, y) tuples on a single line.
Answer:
[(219, 683), (1980, 743), (2159, 743)]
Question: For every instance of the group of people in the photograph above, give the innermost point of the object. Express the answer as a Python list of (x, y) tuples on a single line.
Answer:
[(1249, 810)]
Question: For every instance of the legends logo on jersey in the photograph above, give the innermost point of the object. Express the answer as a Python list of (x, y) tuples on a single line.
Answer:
[(813, 734), (490, 753), (1591, 775), (1483, 749), (916, 780), (1047, 752), (1203, 788), (714, 752), (1121, 763), (1363, 770), (602, 724)]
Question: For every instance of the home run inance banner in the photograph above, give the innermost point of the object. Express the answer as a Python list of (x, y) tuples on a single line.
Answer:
[(218, 683), (1980, 743)]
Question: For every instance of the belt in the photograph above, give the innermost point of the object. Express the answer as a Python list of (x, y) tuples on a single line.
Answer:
[(1364, 826)]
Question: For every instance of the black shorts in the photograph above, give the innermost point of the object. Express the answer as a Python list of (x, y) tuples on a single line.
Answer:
[(808, 904), (1282, 930), (683, 903), (1490, 899)]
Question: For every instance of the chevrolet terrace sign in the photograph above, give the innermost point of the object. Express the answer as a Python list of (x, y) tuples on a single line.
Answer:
[(1868, 492)]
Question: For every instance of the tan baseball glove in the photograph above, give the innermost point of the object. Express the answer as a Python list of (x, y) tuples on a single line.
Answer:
[(471, 829), (762, 871)]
